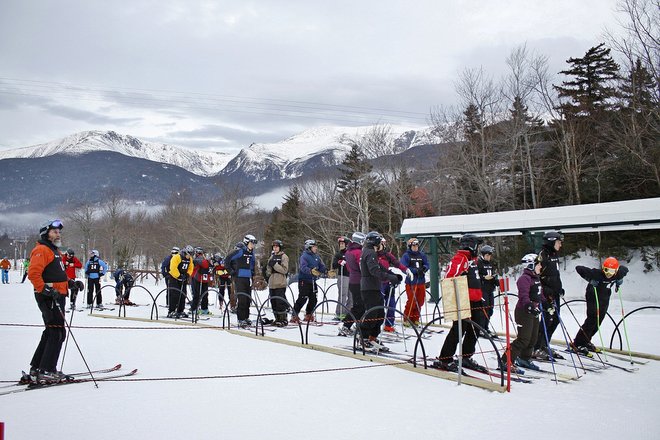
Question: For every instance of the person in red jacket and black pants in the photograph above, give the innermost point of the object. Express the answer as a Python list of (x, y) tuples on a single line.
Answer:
[(200, 283), (464, 263), (71, 263)]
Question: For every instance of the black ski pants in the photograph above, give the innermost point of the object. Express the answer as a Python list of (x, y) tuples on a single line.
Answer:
[(199, 291), (374, 319), (278, 303), (224, 283), (358, 305), (590, 326), (469, 335), (48, 351), (551, 321), (176, 290), (306, 294), (92, 285), (73, 294), (528, 330), (244, 286)]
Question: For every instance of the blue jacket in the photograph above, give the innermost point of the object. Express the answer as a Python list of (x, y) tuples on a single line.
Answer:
[(165, 266), (95, 268), (308, 261), (418, 265), (240, 263)]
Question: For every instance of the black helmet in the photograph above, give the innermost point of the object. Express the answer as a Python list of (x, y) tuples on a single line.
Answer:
[(276, 243), (550, 237), (70, 252), (486, 249), (309, 244), (470, 242), (199, 250), (373, 238), (53, 224)]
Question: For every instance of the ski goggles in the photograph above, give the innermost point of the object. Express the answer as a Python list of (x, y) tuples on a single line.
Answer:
[(609, 272), (55, 224), (414, 243)]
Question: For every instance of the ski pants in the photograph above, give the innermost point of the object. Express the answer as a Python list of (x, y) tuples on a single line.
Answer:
[(5, 276), (528, 330), (199, 290), (123, 290), (388, 292), (278, 303), (551, 321), (225, 283), (590, 326), (453, 338), (24, 276), (48, 351), (358, 305), (374, 319), (343, 296), (416, 297), (306, 294), (243, 285), (92, 285), (73, 294), (176, 290)]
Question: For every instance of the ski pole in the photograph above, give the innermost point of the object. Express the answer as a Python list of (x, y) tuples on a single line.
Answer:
[(569, 339), (623, 318), (66, 343), (600, 334), (581, 329), (547, 342), (57, 304)]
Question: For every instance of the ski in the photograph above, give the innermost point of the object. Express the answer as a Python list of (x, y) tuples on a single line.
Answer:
[(31, 387), (592, 368), (80, 374), (600, 361), (626, 359), (564, 378)]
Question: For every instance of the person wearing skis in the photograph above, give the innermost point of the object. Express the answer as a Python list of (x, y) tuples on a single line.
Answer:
[(372, 276), (464, 263), (388, 290), (416, 262), (311, 268), (352, 256), (200, 283), (527, 314), (5, 265), (339, 265), (489, 281), (240, 263), (223, 282), (165, 271), (552, 293), (277, 271), (599, 289), (71, 264), (49, 279), (95, 268), (180, 270), (26, 264), (123, 284)]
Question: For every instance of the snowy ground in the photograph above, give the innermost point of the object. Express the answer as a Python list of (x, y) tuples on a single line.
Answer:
[(355, 403)]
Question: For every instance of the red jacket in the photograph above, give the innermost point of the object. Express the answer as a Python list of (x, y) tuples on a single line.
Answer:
[(464, 264), (70, 265)]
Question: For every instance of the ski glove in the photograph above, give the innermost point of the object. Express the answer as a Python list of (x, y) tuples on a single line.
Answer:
[(50, 292), (316, 272), (618, 283), (411, 275), (342, 262), (394, 278), (594, 283), (271, 263), (533, 310)]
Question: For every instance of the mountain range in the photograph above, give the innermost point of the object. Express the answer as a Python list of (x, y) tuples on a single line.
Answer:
[(85, 166)]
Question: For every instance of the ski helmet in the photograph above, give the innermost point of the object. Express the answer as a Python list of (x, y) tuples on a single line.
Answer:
[(610, 266), (175, 250), (53, 224), (249, 238), (188, 250), (217, 257), (199, 250), (373, 238), (486, 249), (529, 261), (358, 237), (94, 253), (277, 243), (413, 242), (309, 244), (470, 242), (550, 237), (70, 252), (344, 240)]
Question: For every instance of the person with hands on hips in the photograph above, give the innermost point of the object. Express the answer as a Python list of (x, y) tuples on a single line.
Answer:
[(601, 281)]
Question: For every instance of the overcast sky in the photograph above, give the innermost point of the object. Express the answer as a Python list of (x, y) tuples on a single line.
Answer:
[(223, 74)]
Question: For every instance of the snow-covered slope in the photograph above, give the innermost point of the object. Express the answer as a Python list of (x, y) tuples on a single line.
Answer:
[(203, 163)]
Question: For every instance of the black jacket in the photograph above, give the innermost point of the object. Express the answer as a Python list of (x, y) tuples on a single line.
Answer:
[(604, 287), (373, 274), (550, 278)]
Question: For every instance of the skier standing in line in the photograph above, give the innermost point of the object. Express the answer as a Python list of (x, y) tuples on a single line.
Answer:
[(48, 276), (527, 314), (165, 271), (223, 282), (26, 264), (553, 292), (277, 272), (200, 283), (180, 270), (95, 268), (71, 263), (601, 281), (489, 281), (464, 263), (387, 259), (339, 265), (240, 264), (352, 256), (415, 260), (310, 269)]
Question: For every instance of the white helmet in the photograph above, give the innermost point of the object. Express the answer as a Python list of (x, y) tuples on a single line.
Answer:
[(94, 253), (358, 237), (529, 261), (249, 238)]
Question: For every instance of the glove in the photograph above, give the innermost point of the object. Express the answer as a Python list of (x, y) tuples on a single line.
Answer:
[(533, 309), (594, 283), (316, 272), (50, 292), (342, 262), (394, 278), (421, 271), (550, 310), (562, 292), (72, 284), (79, 285), (618, 283), (271, 263), (410, 274), (331, 274)]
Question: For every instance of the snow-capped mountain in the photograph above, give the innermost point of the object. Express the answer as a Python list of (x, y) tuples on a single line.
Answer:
[(202, 163)]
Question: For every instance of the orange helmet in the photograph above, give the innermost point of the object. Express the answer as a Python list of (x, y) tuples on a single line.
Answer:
[(610, 266)]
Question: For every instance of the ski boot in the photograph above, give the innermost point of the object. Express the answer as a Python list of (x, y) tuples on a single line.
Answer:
[(470, 364), (526, 363)]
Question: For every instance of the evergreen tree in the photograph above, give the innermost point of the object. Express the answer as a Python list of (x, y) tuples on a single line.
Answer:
[(287, 225)]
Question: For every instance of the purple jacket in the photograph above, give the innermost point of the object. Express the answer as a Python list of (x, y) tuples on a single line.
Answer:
[(529, 289), (352, 256)]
